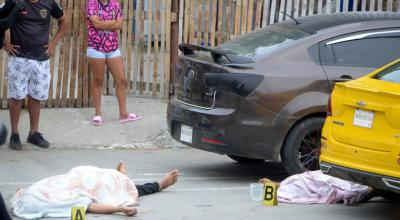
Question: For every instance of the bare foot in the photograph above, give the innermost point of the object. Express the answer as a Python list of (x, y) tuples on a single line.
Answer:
[(129, 211), (121, 167), (265, 180), (123, 116), (170, 179)]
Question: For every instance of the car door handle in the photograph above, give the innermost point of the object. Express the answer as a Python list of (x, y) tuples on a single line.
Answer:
[(342, 78)]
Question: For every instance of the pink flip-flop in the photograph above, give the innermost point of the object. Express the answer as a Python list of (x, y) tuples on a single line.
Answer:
[(97, 120), (131, 117)]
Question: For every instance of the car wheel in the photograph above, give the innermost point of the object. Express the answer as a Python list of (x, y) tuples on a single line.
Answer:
[(245, 160), (391, 196), (301, 149)]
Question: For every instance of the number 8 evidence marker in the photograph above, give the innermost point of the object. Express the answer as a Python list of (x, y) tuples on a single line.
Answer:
[(270, 196)]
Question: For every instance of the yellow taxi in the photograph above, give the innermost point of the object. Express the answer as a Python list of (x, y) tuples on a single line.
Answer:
[(361, 135)]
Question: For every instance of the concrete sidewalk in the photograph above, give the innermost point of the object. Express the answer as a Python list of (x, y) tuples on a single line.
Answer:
[(71, 128)]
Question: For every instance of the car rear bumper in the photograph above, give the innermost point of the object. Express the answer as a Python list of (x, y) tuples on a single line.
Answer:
[(370, 179), (385, 163), (247, 132)]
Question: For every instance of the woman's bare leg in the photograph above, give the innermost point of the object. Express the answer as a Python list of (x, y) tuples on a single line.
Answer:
[(116, 67), (97, 65), (108, 209), (170, 179)]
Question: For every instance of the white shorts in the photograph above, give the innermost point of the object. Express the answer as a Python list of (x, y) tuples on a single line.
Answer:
[(92, 53), (26, 76)]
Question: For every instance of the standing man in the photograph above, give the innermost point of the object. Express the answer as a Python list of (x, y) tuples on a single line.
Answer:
[(28, 65)]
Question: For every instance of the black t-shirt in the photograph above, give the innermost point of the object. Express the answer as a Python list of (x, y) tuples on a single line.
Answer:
[(31, 27)]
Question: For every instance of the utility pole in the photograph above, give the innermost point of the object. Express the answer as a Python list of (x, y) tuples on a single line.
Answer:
[(174, 41)]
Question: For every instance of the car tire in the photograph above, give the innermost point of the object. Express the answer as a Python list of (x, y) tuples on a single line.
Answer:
[(301, 148), (391, 196), (245, 160)]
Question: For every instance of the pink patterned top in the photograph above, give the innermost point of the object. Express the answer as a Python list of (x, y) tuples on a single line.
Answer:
[(102, 40)]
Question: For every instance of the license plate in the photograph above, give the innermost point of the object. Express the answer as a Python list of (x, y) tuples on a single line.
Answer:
[(186, 133), (363, 118)]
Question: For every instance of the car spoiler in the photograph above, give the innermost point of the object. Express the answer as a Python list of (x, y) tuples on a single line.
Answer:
[(237, 62)]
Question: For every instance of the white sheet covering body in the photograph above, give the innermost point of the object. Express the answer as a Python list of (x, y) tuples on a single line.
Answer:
[(54, 196), (316, 187)]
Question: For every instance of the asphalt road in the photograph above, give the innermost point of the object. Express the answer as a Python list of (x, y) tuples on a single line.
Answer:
[(210, 186)]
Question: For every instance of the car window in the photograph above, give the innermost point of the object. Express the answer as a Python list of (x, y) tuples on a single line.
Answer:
[(391, 74), (367, 52), (263, 41), (370, 51)]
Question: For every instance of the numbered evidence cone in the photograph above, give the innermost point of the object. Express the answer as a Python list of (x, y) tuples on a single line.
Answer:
[(270, 194), (78, 213)]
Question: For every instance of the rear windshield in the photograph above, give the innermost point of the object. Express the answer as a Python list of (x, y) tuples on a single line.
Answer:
[(263, 41), (391, 74)]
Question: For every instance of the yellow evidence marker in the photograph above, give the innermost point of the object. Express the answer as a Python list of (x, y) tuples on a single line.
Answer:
[(270, 195), (78, 213)]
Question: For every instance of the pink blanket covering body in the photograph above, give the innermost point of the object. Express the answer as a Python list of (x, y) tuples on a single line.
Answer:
[(54, 196), (314, 187)]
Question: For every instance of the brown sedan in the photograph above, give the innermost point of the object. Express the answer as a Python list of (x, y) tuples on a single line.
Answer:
[(263, 96)]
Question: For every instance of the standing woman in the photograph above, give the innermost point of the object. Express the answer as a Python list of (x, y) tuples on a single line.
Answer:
[(104, 22)]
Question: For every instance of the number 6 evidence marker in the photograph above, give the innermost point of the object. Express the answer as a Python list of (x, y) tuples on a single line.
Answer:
[(270, 195)]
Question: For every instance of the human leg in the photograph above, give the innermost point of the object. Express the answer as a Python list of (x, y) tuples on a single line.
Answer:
[(15, 111), (34, 136), (147, 188), (116, 67), (144, 189), (371, 193), (150, 188), (97, 65), (121, 167), (38, 90), (170, 179), (34, 114), (17, 90), (18, 77), (108, 209)]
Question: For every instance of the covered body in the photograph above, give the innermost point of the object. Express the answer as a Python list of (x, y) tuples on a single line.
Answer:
[(56, 195)]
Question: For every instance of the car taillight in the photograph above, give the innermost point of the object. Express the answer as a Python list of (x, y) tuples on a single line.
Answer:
[(329, 108), (212, 141)]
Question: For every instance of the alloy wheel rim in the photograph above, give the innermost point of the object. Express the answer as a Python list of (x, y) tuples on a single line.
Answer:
[(310, 149)]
